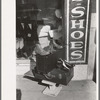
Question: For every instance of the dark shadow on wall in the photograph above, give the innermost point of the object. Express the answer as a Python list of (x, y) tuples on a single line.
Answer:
[(94, 73), (18, 94), (93, 6)]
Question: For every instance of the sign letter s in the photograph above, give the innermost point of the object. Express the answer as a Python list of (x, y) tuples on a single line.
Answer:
[(76, 54), (77, 10)]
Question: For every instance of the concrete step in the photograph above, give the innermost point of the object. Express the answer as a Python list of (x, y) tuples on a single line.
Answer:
[(75, 90)]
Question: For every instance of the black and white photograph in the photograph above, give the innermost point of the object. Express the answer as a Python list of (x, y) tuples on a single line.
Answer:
[(52, 49)]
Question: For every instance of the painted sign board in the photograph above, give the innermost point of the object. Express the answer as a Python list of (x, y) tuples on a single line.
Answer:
[(76, 28)]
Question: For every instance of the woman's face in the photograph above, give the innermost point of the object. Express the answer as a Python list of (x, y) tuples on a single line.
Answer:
[(58, 13)]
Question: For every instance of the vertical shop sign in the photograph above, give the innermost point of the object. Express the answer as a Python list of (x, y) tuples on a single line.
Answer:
[(77, 30)]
